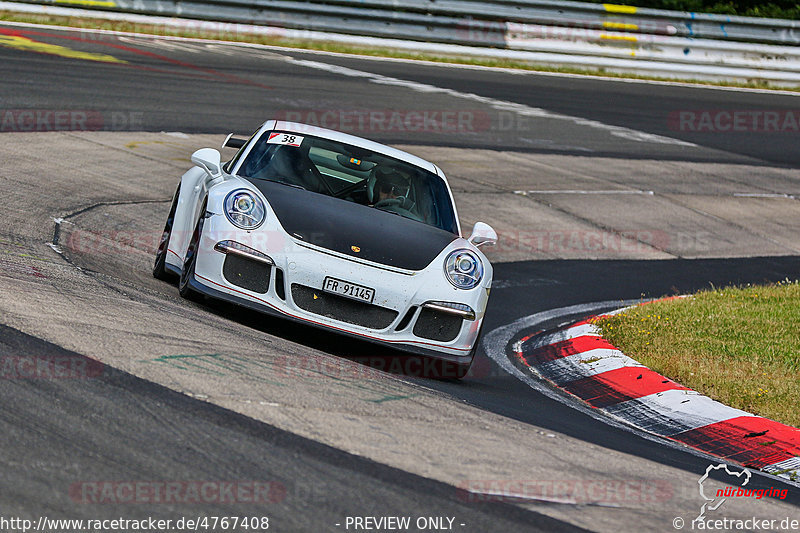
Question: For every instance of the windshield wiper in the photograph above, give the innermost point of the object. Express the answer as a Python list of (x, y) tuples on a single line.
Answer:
[(288, 184), (387, 211)]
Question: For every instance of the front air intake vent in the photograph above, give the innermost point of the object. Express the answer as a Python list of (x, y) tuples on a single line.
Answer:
[(246, 273), (437, 325), (280, 284), (406, 319)]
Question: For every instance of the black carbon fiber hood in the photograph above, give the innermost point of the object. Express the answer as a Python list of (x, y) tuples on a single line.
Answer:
[(345, 227)]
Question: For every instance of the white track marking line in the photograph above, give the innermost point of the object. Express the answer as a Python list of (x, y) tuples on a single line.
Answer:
[(763, 195), (500, 105), (164, 45), (574, 191)]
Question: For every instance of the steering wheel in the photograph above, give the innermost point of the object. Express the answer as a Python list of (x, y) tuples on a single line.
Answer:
[(400, 206)]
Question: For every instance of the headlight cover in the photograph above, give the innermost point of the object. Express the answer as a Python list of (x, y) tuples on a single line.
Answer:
[(244, 209), (463, 269)]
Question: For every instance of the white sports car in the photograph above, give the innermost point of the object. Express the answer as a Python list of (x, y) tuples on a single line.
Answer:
[(334, 231)]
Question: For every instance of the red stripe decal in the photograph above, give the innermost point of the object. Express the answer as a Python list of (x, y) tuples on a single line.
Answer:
[(620, 385), (561, 349), (749, 440)]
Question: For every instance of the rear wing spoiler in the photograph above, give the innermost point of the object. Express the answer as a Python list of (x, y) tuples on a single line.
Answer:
[(233, 142)]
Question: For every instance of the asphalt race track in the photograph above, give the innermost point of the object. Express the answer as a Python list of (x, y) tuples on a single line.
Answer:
[(601, 191), (150, 432)]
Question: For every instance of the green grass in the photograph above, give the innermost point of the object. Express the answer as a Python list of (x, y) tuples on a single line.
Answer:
[(738, 345), (780, 9), (327, 46)]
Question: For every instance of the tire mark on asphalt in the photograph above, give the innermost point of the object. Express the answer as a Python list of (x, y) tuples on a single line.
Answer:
[(599, 226)]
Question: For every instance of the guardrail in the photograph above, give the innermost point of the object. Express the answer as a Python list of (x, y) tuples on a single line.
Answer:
[(603, 35)]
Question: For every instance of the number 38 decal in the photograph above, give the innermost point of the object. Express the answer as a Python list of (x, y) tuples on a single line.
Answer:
[(284, 138)]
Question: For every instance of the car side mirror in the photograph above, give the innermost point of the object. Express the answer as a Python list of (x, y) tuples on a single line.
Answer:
[(482, 233), (209, 160)]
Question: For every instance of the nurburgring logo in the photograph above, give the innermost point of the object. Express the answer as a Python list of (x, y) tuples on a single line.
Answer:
[(712, 504), (714, 498)]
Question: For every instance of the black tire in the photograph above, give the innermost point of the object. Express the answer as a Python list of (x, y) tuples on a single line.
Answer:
[(189, 262), (443, 370), (160, 265), (460, 370)]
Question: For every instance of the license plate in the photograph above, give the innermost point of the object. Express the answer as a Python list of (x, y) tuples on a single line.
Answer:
[(351, 290)]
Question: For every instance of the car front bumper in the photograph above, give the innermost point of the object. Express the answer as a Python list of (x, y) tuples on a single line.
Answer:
[(405, 313)]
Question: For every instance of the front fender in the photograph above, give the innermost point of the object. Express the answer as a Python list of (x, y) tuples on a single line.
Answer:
[(194, 187)]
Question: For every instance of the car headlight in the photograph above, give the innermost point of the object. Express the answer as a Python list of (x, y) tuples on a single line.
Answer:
[(244, 209), (463, 269)]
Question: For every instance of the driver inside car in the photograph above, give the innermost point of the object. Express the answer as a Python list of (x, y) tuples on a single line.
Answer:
[(389, 185)]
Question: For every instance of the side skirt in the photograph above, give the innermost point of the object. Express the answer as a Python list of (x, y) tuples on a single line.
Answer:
[(172, 268)]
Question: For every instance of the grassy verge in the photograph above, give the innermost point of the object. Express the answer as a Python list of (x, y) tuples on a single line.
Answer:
[(779, 9), (327, 46), (740, 346)]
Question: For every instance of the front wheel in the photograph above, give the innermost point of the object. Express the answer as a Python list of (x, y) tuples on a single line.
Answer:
[(189, 263)]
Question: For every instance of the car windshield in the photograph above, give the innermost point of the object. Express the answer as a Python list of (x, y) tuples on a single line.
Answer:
[(352, 174)]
